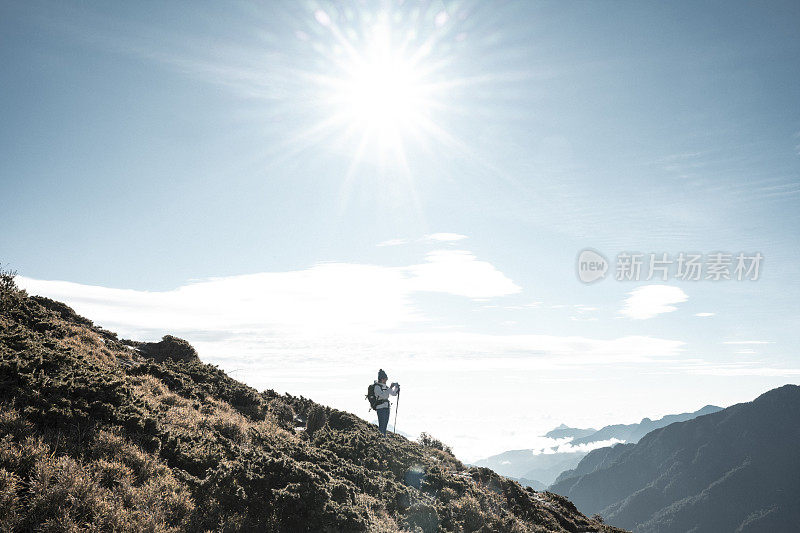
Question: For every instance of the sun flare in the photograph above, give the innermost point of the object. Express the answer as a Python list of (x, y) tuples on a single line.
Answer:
[(383, 95), (381, 90)]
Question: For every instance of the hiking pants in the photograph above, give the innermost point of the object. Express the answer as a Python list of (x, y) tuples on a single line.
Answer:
[(383, 419)]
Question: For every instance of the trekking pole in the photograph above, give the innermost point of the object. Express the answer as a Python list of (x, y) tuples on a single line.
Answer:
[(397, 408)]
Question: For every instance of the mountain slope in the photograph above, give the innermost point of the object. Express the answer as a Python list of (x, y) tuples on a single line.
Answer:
[(129, 436), (734, 470), (595, 460)]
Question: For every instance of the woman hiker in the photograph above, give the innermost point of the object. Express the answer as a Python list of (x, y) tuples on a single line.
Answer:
[(382, 393)]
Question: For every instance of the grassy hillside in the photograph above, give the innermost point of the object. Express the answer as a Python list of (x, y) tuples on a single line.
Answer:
[(104, 434)]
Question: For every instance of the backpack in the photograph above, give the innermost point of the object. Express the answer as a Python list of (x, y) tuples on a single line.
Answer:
[(373, 400)]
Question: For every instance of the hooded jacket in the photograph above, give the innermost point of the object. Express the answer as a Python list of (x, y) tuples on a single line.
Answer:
[(382, 392)]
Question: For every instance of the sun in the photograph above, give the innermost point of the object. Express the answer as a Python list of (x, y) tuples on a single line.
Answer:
[(381, 90), (383, 93)]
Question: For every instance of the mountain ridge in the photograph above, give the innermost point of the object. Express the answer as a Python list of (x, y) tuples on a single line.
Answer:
[(733, 470), (564, 431), (634, 432)]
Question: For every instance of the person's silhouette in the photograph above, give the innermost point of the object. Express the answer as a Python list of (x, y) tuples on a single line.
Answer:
[(382, 392)]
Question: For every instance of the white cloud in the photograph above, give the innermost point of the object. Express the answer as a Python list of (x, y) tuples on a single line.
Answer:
[(459, 272), (448, 238), (339, 312), (747, 342), (329, 297), (518, 307), (651, 300), (572, 448), (705, 315), (445, 237), (393, 242), (584, 313), (746, 368), (537, 351)]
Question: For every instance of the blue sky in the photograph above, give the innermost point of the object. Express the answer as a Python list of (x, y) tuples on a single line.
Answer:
[(218, 172)]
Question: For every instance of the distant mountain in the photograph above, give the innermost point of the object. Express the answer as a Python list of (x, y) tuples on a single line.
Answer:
[(565, 432), (107, 434), (546, 467), (734, 470), (634, 432), (523, 464)]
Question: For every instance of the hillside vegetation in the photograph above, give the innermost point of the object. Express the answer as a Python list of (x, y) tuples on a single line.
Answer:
[(104, 434)]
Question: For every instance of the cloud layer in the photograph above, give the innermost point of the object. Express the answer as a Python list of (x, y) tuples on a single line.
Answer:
[(567, 447), (652, 300), (329, 297)]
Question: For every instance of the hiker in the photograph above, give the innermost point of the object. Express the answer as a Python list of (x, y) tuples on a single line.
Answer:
[(382, 393)]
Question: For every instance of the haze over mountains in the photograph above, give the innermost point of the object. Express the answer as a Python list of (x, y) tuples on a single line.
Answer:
[(539, 468), (733, 470)]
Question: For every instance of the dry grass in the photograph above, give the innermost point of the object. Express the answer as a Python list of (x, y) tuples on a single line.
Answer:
[(116, 487), (87, 343), (10, 506), (214, 415)]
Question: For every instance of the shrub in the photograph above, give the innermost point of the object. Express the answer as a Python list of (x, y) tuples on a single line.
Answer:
[(64, 311), (9, 500), (342, 421), (424, 517), (316, 419), (7, 283), (469, 511), (10, 295), (447, 494), (429, 442), (282, 413), (170, 348)]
